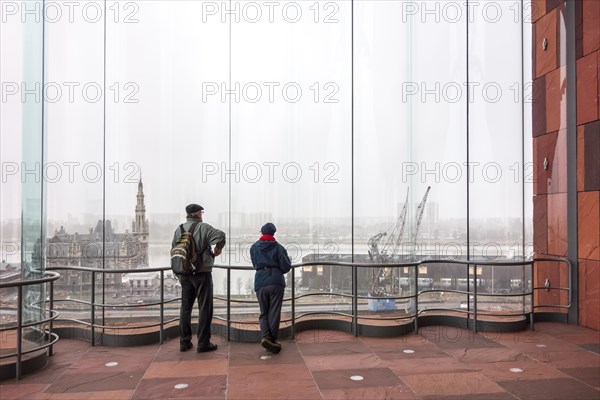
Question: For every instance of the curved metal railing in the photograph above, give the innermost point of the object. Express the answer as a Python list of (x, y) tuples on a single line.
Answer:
[(354, 315), (48, 277), (471, 311)]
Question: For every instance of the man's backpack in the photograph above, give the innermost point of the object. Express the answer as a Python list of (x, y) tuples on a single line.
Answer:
[(183, 254)]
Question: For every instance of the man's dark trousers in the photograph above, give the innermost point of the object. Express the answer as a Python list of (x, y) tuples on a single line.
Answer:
[(198, 286), (270, 299)]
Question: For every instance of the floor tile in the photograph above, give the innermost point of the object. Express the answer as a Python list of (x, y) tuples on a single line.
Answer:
[(11, 391), (342, 378), (551, 389), (324, 336), (329, 362), (170, 352), (276, 381), (593, 347), (420, 366), (412, 348), (200, 387), (104, 395), (478, 396), (529, 370), (95, 382), (564, 359), (589, 376), (448, 337), (189, 368), (486, 355), (334, 348), (251, 353), (398, 392), (451, 384)]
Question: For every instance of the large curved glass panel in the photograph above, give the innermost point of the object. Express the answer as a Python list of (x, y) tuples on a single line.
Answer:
[(496, 145), (291, 140), (22, 159), (163, 139), (410, 141), (75, 173)]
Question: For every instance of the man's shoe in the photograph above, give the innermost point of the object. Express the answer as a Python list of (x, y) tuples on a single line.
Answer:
[(185, 346), (270, 346), (210, 347), (277, 347)]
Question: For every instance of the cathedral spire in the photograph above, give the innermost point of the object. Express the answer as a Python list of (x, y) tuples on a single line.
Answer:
[(140, 225)]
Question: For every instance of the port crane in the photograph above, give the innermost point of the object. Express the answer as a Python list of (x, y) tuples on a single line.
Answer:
[(383, 280)]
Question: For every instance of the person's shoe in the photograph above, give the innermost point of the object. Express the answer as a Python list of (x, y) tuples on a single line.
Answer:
[(185, 346), (277, 348), (270, 346), (210, 347)]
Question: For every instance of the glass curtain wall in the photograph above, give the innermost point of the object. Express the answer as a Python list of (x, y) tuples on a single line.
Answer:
[(22, 155), (75, 146), (411, 145), (166, 140), (496, 150), (367, 131), (291, 141)]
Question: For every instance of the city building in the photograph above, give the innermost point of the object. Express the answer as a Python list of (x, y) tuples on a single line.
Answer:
[(102, 247)]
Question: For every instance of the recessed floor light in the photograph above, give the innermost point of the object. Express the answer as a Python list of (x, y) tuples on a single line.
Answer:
[(540, 345), (265, 357), (111, 364), (357, 378), (516, 370), (181, 386), (408, 351)]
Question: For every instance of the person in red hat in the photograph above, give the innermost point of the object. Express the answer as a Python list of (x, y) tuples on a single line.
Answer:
[(271, 261)]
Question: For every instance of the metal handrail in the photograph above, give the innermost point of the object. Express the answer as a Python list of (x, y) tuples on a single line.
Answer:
[(473, 312), (354, 296), (48, 277)]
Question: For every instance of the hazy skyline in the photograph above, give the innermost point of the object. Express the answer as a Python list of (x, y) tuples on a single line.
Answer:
[(167, 118)]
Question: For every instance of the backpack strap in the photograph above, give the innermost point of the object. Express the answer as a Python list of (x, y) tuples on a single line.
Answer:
[(192, 229)]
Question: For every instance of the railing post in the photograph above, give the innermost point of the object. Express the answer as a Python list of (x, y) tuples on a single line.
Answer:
[(293, 303), (468, 294), (93, 311), (50, 349), (475, 298), (416, 298), (19, 330), (355, 300), (162, 305), (532, 265), (228, 304)]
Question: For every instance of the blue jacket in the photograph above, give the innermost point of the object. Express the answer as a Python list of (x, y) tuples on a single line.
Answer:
[(271, 261)]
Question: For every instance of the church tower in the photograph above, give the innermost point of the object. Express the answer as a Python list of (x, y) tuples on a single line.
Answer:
[(139, 228), (140, 225)]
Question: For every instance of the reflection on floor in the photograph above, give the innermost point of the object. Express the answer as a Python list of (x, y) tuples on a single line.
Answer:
[(556, 361)]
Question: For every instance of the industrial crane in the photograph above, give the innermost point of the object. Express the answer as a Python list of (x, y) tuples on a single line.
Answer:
[(382, 279), (419, 215)]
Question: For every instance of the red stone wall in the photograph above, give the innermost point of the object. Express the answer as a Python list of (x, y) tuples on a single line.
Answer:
[(550, 150), (588, 160)]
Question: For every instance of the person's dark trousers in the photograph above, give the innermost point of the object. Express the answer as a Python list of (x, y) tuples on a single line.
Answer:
[(270, 299), (196, 287)]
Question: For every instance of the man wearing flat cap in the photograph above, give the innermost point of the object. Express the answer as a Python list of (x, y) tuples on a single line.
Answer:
[(271, 262), (198, 285)]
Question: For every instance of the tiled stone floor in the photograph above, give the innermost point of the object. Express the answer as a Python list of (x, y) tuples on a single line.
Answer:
[(556, 361)]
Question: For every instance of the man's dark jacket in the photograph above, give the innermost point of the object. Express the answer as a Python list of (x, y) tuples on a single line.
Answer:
[(271, 262)]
